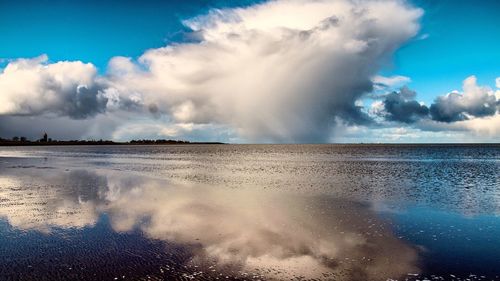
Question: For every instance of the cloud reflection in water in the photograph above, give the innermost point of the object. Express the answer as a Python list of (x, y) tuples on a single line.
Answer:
[(277, 234)]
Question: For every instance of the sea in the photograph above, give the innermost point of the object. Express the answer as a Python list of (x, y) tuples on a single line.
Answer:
[(250, 212)]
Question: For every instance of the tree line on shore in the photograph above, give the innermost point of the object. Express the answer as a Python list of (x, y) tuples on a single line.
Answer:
[(48, 141)]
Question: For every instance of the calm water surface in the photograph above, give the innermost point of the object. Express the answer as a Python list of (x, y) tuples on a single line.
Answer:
[(248, 212)]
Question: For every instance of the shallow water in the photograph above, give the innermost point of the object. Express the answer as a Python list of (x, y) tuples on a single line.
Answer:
[(272, 212)]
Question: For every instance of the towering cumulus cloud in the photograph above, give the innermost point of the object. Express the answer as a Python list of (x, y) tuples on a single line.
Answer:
[(284, 71), (278, 71)]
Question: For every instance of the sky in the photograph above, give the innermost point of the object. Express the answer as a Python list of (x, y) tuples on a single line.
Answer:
[(283, 71)]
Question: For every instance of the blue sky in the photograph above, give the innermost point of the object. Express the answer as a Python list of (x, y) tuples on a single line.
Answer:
[(457, 38), (463, 39), (94, 31)]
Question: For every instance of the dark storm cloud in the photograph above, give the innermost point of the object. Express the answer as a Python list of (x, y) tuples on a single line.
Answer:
[(354, 115), (473, 102), (401, 107)]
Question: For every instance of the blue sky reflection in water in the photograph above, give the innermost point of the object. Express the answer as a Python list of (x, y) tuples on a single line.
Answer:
[(452, 243), (322, 211)]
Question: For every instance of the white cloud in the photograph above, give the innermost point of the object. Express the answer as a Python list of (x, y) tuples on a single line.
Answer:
[(488, 126), (377, 108), (263, 71), (260, 73), (382, 82), (468, 116), (482, 129), (268, 73), (423, 36), (475, 101), (34, 86)]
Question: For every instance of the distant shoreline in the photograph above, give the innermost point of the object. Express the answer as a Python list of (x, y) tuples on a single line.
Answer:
[(99, 143), (112, 143)]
